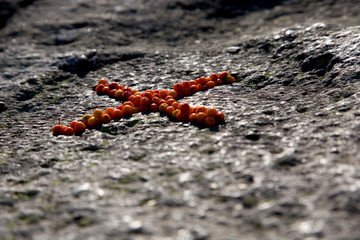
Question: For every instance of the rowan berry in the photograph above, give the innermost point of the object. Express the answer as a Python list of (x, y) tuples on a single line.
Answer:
[(194, 89), (175, 105), (106, 90), (117, 114), (163, 107), (145, 101), (105, 118), (118, 94), (201, 109), (220, 117), (184, 108), (113, 85), (136, 109), (112, 93), (93, 122), (213, 77), (211, 112), (210, 84), (163, 93), (175, 113), (103, 81), (210, 121), (200, 118), (97, 113), (79, 127), (99, 88), (192, 117), (170, 110), (85, 119), (68, 131), (127, 110), (110, 111), (154, 107), (174, 94)]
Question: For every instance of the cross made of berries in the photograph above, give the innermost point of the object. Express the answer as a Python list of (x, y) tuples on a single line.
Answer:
[(163, 101)]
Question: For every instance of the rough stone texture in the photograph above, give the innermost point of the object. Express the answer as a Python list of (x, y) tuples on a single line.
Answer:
[(284, 166)]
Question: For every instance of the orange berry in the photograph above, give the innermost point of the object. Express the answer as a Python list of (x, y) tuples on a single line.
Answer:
[(126, 95), (213, 77), (174, 94), (136, 100), (85, 118), (93, 122), (112, 93), (192, 117), (202, 80), (170, 110), (79, 127), (72, 124), (128, 103), (127, 110), (106, 90), (201, 87), (105, 118), (211, 112), (210, 84), (110, 111), (136, 109), (200, 118), (182, 117), (68, 131), (57, 130), (148, 94), (201, 109), (185, 84), (169, 97), (163, 93), (99, 88), (175, 105), (184, 108), (220, 117), (156, 100), (133, 92), (163, 107), (170, 101), (175, 113), (223, 75), (210, 121), (98, 113), (154, 107), (113, 85), (194, 89), (145, 101), (192, 83), (178, 88), (103, 81), (118, 94), (117, 114)]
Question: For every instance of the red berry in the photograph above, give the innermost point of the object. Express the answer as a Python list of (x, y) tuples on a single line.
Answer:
[(200, 118), (163, 107), (113, 85), (211, 112), (117, 114), (154, 107), (68, 131), (184, 108), (57, 130), (170, 110), (210, 84), (103, 81), (127, 110), (144, 101), (79, 127), (105, 118), (99, 88), (210, 121), (220, 117), (192, 117), (163, 93)]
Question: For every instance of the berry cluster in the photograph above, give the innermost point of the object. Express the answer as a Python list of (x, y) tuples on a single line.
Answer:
[(163, 101)]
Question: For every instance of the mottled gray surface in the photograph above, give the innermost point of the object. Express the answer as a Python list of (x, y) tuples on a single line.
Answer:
[(284, 166)]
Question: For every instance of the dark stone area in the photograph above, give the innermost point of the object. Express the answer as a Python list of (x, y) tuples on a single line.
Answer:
[(284, 165)]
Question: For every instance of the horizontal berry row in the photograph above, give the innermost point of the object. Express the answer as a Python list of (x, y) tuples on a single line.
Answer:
[(163, 101)]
